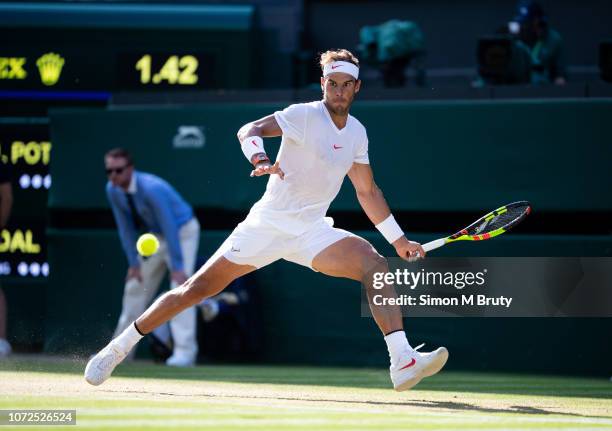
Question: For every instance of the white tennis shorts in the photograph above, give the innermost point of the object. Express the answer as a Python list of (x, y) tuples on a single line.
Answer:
[(258, 244)]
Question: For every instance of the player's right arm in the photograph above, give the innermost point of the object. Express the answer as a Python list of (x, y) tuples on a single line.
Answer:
[(250, 136), (375, 206)]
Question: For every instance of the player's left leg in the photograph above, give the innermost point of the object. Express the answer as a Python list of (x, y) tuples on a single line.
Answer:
[(209, 280), (353, 257), (251, 245)]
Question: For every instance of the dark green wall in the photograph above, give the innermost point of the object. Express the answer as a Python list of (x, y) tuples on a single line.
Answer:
[(26, 312), (450, 156)]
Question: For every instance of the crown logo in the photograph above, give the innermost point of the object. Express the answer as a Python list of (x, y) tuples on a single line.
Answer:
[(50, 68)]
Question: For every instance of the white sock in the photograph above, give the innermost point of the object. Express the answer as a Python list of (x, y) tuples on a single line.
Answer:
[(397, 343), (128, 338)]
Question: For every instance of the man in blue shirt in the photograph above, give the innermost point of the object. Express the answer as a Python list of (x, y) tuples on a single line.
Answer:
[(142, 202)]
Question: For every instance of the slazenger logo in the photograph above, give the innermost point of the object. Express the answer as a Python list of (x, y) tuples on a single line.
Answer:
[(189, 137)]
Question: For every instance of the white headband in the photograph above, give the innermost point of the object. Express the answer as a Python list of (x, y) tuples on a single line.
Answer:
[(341, 66)]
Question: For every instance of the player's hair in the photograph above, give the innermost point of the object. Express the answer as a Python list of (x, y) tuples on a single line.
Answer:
[(122, 153), (337, 55)]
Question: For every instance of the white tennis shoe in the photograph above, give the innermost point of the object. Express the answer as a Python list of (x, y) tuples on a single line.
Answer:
[(100, 367), (415, 366)]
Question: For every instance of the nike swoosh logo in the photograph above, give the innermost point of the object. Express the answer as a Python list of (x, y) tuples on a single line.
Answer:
[(337, 147), (335, 67), (410, 364), (255, 143)]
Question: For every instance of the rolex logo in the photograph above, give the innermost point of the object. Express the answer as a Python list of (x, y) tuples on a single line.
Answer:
[(50, 68)]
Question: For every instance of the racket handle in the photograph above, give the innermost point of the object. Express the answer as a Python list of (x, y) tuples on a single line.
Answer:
[(432, 245)]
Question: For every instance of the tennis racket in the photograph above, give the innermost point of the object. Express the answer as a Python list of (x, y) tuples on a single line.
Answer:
[(488, 226)]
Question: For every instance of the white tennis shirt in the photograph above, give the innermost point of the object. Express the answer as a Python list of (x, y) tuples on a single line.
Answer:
[(315, 156)]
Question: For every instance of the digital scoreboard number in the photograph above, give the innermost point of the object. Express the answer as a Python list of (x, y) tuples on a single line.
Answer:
[(25, 151), (167, 70), (176, 70)]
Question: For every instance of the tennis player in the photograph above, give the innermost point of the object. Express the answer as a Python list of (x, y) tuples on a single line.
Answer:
[(321, 143)]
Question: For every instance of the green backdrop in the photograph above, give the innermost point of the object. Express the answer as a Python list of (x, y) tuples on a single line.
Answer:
[(449, 156)]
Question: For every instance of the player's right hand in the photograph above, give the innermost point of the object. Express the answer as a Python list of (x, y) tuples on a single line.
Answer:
[(266, 169), (409, 250)]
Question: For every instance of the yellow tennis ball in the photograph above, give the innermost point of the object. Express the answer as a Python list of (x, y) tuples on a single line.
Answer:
[(147, 244)]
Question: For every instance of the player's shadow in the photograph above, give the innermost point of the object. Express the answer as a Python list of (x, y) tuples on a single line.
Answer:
[(449, 405), (478, 383), (481, 383)]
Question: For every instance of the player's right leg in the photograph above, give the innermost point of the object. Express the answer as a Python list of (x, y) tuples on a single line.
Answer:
[(355, 258), (209, 280)]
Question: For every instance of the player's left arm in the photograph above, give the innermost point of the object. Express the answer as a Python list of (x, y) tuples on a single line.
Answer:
[(375, 206), (266, 127)]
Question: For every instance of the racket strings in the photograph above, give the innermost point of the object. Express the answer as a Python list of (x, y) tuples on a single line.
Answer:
[(498, 221)]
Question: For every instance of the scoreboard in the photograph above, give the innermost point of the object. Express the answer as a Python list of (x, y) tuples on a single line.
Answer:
[(25, 150), (124, 47)]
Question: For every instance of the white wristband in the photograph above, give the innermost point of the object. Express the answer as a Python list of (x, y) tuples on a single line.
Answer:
[(390, 229), (252, 145)]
